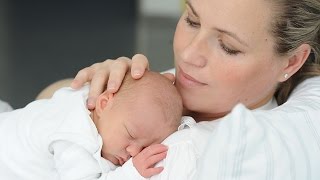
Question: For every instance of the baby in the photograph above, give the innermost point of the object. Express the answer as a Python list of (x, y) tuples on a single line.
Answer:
[(59, 138)]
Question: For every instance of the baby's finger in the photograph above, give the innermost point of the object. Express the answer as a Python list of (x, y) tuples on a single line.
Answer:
[(152, 171), (139, 65), (119, 69), (151, 161), (154, 149)]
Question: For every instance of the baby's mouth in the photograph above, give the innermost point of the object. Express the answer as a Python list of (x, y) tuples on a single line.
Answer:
[(120, 160)]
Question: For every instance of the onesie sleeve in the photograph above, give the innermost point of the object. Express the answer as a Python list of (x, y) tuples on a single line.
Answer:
[(180, 163), (183, 153), (74, 162), (127, 171)]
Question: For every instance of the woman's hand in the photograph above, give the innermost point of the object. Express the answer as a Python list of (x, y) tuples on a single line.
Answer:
[(110, 73)]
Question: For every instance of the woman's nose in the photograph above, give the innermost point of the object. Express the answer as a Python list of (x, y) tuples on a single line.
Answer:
[(194, 53)]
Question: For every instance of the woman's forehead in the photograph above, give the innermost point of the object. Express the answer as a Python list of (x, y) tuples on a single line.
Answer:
[(245, 17)]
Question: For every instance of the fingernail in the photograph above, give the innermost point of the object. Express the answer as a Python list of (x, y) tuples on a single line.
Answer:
[(90, 103), (136, 72)]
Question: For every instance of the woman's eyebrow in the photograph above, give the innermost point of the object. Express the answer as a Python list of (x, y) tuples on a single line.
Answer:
[(232, 35), (192, 9)]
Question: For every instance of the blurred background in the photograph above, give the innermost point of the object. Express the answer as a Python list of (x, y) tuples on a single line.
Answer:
[(42, 41)]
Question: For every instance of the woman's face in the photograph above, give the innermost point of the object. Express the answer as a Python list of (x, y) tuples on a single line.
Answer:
[(224, 55)]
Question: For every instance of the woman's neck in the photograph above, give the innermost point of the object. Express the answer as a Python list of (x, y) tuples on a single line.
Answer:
[(198, 116), (203, 116)]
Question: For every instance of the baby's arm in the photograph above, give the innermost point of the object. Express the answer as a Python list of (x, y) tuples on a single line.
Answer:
[(73, 161), (145, 160)]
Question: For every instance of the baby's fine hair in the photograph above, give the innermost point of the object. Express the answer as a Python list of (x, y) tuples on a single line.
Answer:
[(159, 88)]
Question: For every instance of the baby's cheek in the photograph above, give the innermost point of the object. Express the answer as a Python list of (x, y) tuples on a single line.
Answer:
[(112, 159)]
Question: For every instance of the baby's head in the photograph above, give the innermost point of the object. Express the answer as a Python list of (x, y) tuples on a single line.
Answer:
[(141, 113)]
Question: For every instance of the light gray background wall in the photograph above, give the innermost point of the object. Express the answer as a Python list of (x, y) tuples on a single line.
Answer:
[(155, 29), (154, 39)]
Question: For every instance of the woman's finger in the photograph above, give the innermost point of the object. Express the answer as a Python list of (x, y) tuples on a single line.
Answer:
[(83, 76), (97, 86), (119, 69), (139, 65), (86, 74), (97, 74)]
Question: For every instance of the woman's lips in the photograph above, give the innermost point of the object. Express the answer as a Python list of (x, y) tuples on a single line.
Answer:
[(188, 80)]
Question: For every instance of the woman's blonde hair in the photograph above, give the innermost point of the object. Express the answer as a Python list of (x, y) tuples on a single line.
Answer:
[(297, 22)]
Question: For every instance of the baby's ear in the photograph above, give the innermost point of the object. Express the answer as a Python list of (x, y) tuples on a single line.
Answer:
[(103, 101)]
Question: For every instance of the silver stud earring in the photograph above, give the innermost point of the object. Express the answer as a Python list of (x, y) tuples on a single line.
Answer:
[(286, 76)]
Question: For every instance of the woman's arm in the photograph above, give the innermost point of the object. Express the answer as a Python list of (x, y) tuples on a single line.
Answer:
[(47, 92)]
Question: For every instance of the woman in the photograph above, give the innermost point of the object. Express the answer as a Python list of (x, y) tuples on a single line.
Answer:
[(251, 52)]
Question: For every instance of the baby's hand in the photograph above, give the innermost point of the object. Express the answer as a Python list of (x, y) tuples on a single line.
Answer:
[(145, 160)]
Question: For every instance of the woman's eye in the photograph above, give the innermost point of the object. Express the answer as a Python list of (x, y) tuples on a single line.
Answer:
[(228, 50), (191, 23)]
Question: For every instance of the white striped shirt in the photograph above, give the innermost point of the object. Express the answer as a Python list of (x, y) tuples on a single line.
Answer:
[(278, 144)]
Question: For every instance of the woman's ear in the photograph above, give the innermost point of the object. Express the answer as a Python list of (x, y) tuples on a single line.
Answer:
[(296, 61), (103, 101)]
